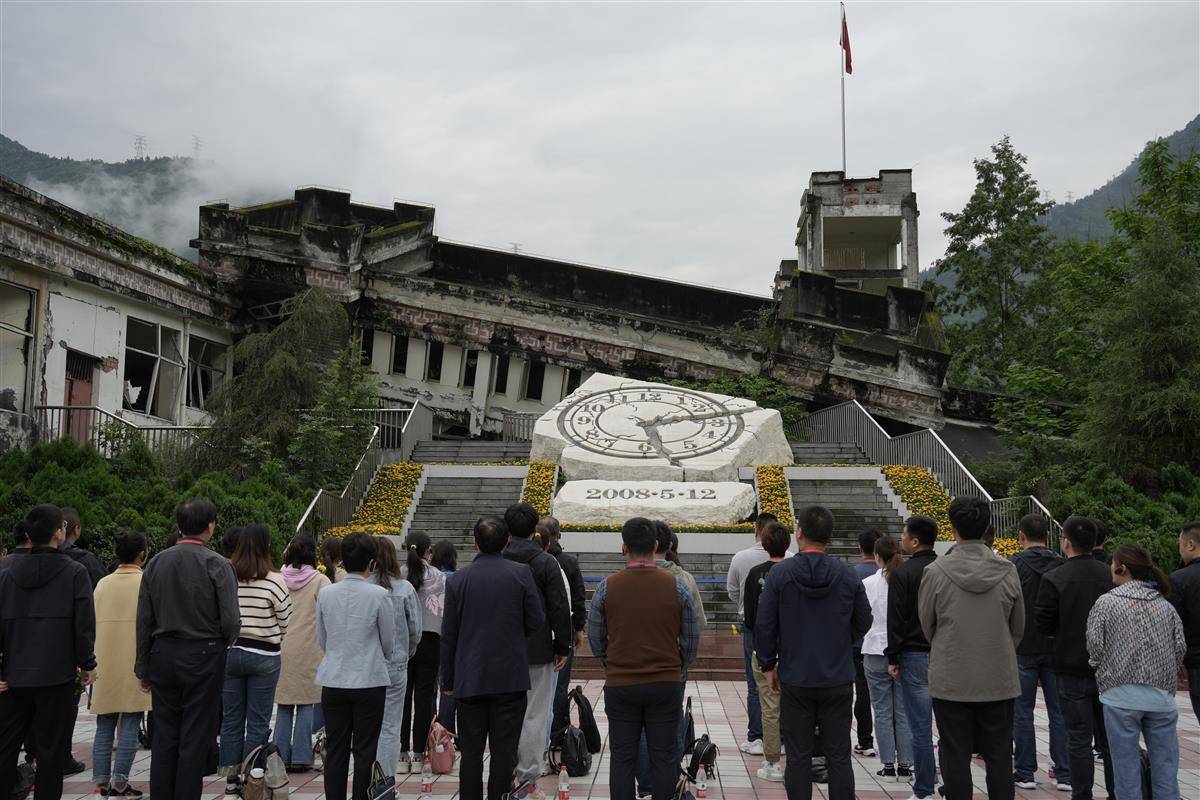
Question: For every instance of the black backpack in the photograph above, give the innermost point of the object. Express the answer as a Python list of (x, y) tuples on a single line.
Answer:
[(23, 785), (704, 758), (689, 735), (572, 753), (587, 719)]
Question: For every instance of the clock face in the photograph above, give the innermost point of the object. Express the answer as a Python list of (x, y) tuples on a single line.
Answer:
[(650, 422)]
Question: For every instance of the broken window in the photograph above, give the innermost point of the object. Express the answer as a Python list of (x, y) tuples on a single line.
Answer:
[(574, 378), (470, 366), (433, 363), (534, 379), (16, 346), (399, 354), (501, 375), (153, 368), (206, 370), (367, 346)]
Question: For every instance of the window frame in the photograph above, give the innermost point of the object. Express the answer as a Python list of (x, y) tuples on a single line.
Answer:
[(159, 358), (28, 337), (222, 371)]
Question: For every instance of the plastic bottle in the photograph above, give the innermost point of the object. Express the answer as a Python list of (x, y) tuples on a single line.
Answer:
[(564, 785), (701, 790), (426, 779)]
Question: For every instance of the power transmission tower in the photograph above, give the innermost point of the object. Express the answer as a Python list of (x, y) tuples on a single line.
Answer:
[(1070, 196), (197, 143), (516, 247), (139, 147)]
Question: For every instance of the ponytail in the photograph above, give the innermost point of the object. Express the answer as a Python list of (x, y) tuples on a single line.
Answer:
[(1141, 567), (888, 551), (416, 546)]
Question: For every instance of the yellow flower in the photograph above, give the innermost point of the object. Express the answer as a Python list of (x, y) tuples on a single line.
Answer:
[(539, 486)]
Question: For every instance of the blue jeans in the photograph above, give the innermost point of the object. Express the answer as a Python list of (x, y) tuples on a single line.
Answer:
[(891, 721), (293, 734), (246, 701), (753, 709), (1032, 669), (1084, 715), (644, 780), (125, 728), (918, 708), (1125, 728), (387, 752)]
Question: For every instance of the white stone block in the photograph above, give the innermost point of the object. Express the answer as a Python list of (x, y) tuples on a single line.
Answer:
[(601, 502)]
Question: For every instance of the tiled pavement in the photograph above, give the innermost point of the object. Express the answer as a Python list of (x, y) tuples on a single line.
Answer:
[(720, 710)]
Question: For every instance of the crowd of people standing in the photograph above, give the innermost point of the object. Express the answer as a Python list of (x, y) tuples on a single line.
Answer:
[(356, 649)]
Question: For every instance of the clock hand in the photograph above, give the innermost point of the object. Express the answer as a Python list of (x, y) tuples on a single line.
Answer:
[(666, 419), (656, 442)]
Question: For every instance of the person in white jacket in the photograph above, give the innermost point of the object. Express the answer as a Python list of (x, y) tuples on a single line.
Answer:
[(892, 737), (741, 564)]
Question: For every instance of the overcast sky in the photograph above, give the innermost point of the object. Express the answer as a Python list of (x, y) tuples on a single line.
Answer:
[(669, 139)]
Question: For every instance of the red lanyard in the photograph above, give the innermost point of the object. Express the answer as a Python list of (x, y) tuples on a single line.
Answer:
[(192, 541), (640, 564)]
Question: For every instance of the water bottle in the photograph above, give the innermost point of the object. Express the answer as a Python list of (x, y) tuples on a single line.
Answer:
[(426, 779), (701, 789), (564, 785)]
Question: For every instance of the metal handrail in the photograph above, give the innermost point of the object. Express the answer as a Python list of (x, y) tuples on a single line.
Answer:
[(849, 421), (518, 426), (329, 509), (85, 425)]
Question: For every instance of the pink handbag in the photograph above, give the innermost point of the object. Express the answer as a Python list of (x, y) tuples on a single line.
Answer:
[(439, 747)]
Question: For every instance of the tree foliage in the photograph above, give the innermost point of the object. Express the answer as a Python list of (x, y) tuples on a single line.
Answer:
[(766, 392), (331, 435), (996, 246)]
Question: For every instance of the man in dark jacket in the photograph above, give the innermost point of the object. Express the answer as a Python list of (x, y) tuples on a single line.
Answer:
[(492, 605), (547, 648), (187, 617), (1064, 601), (47, 632), (1185, 594), (811, 610), (73, 529), (1035, 662), (548, 528), (908, 651)]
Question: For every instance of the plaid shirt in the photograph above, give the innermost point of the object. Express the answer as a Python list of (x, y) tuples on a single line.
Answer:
[(689, 635)]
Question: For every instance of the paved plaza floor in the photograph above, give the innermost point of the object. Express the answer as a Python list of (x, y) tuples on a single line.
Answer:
[(719, 709)]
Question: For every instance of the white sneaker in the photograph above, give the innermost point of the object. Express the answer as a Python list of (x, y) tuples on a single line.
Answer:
[(1063, 787), (404, 765), (754, 748), (919, 797), (1025, 784), (770, 772)]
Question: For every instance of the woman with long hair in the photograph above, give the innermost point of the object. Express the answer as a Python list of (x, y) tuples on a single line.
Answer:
[(298, 696), (1136, 643), (402, 599), (331, 558), (892, 735), (420, 696), (252, 666), (445, 557), (117, 699)]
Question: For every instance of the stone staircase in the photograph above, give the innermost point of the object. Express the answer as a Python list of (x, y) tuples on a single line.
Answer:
[(828, 453), (856, 506), (708, 570), (449, 507), (471, 451)]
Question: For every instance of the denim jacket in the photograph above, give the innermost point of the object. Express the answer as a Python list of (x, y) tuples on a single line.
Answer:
[(406, 617), (356, 628)]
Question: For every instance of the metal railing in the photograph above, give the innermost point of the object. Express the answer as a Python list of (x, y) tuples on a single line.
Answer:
[(390, 422), (329, 509), (850, 422), (518, 427), (92, 425)]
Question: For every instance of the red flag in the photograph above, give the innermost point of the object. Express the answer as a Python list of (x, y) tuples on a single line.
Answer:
[(845, 43)]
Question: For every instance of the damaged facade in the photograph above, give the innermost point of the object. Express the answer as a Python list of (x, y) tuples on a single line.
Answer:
[(476, 334)]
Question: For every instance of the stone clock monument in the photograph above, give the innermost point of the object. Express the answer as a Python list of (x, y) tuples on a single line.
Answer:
[(637, 435)]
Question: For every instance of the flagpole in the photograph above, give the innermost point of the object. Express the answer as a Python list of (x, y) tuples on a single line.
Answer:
[(842, 74)]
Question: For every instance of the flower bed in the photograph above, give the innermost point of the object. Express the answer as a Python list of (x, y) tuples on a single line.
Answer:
[(1007, 546), (774, 494), (386, 505), (922, 493), (539, 486)]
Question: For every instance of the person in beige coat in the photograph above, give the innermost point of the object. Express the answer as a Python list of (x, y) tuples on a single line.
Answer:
[(117, 700), (297, 694), (972, 612)]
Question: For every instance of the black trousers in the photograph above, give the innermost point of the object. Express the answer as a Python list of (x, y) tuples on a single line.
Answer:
[(862, 703), (186, 677), (562, 710), (801, 713), (353, 719), (984, 728), (43, 711), (420, 695), (1079, 699), (495, 720), (654, 708)]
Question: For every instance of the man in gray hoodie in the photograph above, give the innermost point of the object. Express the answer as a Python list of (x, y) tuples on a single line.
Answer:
[(973, 614)]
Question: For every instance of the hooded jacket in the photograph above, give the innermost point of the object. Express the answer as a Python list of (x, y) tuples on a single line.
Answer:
[(1134, 636), (554, 636), (812, 608), (1032, 563), (90, 562), (973, 615), (47, 620), (570, 565), (1185, 595), (1065, 599)]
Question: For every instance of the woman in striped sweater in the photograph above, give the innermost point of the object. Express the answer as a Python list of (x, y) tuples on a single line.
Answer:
[(252, 668)]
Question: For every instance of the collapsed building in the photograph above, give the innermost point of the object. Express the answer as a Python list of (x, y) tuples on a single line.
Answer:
[(92, 316)]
